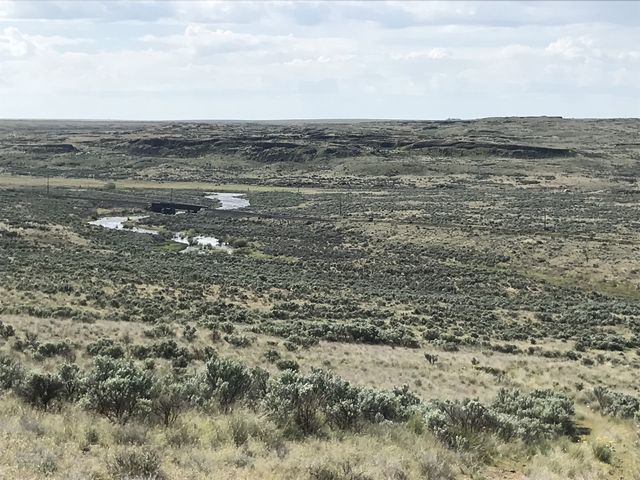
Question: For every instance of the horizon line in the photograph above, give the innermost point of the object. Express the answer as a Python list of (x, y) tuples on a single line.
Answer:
[(310, 120)]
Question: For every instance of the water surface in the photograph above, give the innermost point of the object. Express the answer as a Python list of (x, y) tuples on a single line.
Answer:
[(194, 243), (200, 240), (228, 201), (117, 223)]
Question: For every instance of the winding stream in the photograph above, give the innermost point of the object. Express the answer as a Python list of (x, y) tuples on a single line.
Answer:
[(200, 240), (117, 223), (229, 201)]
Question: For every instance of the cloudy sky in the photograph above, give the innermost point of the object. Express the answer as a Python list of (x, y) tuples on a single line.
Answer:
[(318, 59)]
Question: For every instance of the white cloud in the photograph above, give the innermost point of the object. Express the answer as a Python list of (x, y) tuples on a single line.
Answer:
[(432, 54), (572, 47), (198, 38), (15, 43), (316, 59)]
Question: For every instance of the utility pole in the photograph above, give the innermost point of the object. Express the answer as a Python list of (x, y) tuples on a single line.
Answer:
[(546, 192), (171, 194), (47, 185)]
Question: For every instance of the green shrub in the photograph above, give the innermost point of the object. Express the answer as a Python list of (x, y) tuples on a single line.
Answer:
[(530, 417), (6, 330), (552, 410), (238, 340), (230, 381), (169, 398), (459, 424), (603, 451), (189, 333), (11, 372), (40, 389), (169, 349), (272, 356), (449, 346), (50, 349), (141, 352), (430, 335), (303, 341), (303, 402), (105, 347), (117, 388), (287, 364), (616, 404), (294, 401)]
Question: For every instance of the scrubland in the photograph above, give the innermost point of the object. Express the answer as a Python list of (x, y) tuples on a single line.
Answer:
[(435, 300)]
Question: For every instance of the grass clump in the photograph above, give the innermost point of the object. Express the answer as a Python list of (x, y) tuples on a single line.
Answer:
[(136, 463), (603, 450)]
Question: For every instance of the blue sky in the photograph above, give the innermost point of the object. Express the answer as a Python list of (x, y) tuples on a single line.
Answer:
[(307, 59)]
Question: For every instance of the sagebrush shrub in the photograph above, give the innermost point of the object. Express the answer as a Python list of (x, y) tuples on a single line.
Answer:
[(616, 404), (6, 330), (531, 417), (50, 349), (40, 389), (553, 410), (230, 381), (69, 374), (170, 397), (287, 364), (105, 347), (117, 388), (305, 401), (11, 372), (292, 401)]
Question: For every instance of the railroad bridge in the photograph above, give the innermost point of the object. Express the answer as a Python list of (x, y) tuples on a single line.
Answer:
[(170, 208)]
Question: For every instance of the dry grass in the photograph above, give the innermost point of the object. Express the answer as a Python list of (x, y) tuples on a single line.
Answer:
[(243, 445), (73, 444), (33, 181), (453, 376)]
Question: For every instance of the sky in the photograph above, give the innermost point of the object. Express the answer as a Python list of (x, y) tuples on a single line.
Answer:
[(171, 60)]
